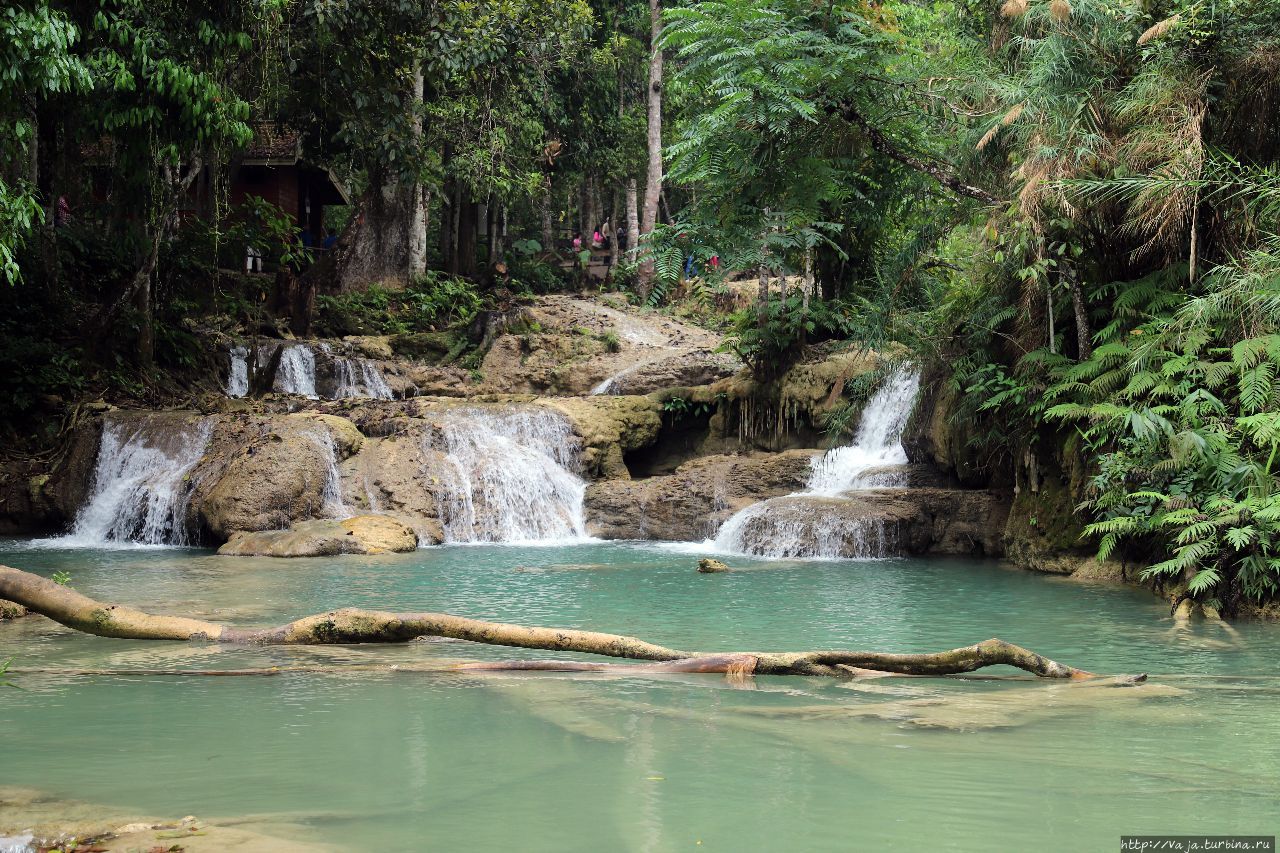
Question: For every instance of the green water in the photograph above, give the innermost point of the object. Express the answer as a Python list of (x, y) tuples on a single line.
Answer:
[(566, 763)]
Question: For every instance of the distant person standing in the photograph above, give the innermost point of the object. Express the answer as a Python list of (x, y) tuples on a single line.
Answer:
[(622, 239), (61, 212)]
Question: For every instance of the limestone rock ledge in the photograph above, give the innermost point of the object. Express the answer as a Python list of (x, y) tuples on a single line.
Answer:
[(691, 503), (362, 534)]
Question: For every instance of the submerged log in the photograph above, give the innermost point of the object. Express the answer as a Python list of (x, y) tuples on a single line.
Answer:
[(348, 626)]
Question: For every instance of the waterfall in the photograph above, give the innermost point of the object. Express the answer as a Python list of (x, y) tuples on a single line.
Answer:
[(819, 522), (238, 375), (878, 441), (358, 377), (297, 371), (140, 488), (802, 526), (509, 477), (333, 505)]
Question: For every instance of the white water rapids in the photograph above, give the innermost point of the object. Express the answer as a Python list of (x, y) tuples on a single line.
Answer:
[(140, 488), (816, 522), (509, 476)]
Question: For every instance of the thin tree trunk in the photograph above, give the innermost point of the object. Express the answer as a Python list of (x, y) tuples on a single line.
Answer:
[(417, 255), (491, 225), (544, 212), (455, 233), (633, 219), (341, 627), (653, 176), (468, 225), (612, 236), (1084, 334)]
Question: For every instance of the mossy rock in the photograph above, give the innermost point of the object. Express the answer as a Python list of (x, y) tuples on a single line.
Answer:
[(431, 347), (11, 610), (363, 534)]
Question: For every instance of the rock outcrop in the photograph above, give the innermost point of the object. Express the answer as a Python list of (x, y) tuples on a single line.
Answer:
[(268, 473), (880, 522), (691, 503), (361, 534)]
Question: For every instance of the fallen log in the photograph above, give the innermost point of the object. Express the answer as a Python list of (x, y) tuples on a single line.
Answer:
[(349, 626)]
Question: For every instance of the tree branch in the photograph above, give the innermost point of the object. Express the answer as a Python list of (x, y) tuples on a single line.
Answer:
[(880, 142), (348, 626)]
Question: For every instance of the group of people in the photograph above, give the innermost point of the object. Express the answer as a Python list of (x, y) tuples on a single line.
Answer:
[(600, 239)]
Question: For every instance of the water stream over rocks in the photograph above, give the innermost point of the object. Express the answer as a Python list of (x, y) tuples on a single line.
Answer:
[(823, 520), (140, 489), (509, 476)]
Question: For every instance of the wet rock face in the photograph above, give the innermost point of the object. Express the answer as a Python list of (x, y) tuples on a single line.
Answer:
[(693, 502), (877, 523), (361, 534), (267, 473)]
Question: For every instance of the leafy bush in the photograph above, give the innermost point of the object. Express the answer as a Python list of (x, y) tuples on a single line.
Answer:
[(433, 301), (1183, 413)]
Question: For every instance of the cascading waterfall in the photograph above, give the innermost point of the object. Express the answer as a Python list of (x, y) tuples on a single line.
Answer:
[(878, 441), (238, 375), (296, 374), (358, 377), (509, 477), (297, 371), (817, 522), (140, 488), (331, 494)]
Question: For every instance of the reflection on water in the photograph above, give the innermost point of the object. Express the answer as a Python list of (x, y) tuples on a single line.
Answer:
[(603, 762)]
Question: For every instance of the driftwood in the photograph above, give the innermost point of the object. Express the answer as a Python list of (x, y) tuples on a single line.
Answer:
[(347, 626)]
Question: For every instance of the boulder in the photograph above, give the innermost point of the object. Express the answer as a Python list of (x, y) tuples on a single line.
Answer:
[(610, 427), (708, 566), (678, 370), (362, 534), (397, 475), (11, 610), (691, 503), (267, 472), (877, 523)]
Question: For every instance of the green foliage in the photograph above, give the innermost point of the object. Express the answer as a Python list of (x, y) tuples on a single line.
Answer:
[(682, 408), (769, 336), (433, 301), (4, 668), (1184, 416)]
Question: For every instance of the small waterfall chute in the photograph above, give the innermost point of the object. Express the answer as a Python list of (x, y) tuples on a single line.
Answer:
[(140, 489), (238, 373), (509, 476), (332, 503), (820, 521), (358, 377), (878, 442), (297, 371)]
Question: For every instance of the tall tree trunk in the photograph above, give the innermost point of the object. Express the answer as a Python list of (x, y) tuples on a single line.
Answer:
[(455, 222), (544, 213), (1084, 334), (417, 260), (146, 353), (491, 225), (612, 236), (653, 177), (633, 217), (467, 228), (377, 246), (590, 213)]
